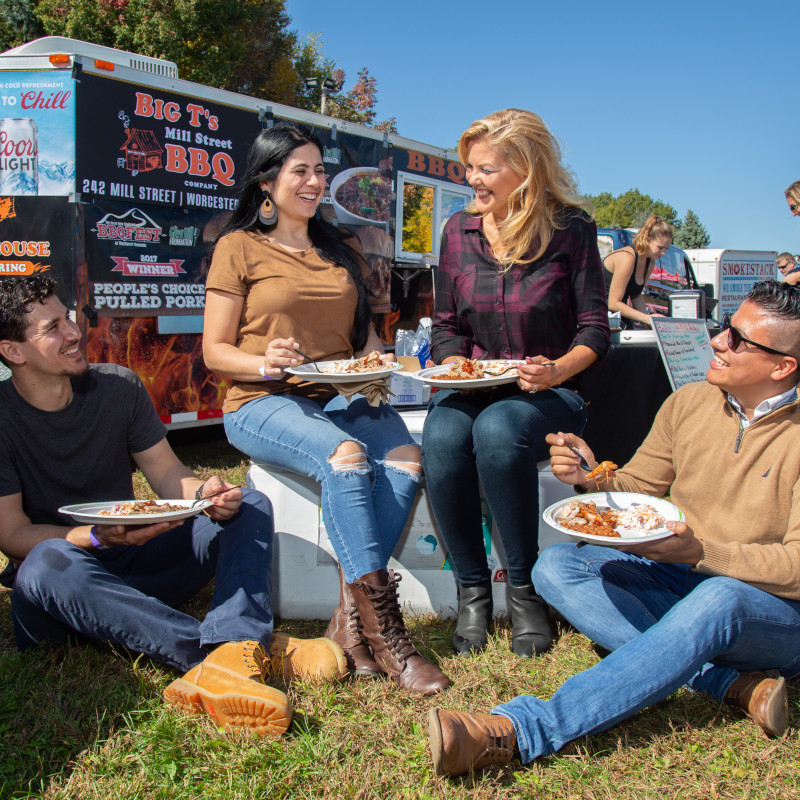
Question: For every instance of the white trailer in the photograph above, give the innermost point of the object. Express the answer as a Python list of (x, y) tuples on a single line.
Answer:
[(732, 273)]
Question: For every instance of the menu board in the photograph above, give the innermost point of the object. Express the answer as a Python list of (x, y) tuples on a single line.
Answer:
[(685, 348)]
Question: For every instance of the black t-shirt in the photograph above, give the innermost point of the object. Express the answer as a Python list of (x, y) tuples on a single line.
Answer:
[(79, 454)]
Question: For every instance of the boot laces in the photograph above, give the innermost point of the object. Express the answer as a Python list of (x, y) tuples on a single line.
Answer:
[(255, 659), (390, 618)]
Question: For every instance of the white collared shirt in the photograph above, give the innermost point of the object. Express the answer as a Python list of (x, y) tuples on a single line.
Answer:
[(764, 407)]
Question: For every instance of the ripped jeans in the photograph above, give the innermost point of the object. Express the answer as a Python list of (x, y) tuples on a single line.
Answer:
[(366, 495)]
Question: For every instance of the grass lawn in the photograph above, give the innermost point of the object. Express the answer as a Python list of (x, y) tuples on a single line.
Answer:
[(85, 722)]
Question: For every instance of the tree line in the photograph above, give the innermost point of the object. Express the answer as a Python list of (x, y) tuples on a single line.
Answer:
[(243, 46), (630, 209)]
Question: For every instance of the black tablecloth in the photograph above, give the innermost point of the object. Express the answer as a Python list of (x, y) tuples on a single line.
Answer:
[(623, 395)]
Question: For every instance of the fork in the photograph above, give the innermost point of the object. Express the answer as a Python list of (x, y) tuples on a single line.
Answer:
[(214, 494), (514, 366), (308, 358)]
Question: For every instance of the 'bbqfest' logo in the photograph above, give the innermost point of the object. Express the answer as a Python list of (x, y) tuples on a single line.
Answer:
[(132, 227)]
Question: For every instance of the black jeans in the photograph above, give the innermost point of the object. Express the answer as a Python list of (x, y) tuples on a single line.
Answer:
[(497, 439)]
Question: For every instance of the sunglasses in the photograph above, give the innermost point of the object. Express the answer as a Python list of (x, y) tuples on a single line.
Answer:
[(735, 338), (793, 207)]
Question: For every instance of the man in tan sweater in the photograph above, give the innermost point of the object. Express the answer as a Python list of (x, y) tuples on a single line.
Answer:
[(715, 606)]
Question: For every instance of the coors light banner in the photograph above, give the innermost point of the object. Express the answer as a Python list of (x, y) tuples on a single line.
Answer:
[(153, 146), (37, 133)]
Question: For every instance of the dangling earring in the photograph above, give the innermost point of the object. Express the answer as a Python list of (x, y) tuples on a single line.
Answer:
[(267, 212)]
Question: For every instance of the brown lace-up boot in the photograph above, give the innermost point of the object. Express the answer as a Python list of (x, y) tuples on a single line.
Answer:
[(763, 699), (462, 742), (382, 623), (345, 629)]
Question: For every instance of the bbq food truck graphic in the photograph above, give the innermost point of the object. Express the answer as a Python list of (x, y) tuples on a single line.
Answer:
[(116, 176)]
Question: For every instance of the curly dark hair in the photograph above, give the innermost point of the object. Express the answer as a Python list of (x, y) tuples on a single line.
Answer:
[(264, 161), (16, 297)]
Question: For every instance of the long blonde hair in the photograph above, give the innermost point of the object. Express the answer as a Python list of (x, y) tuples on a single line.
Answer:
[(792, 192), (653, 228), (547, 187)]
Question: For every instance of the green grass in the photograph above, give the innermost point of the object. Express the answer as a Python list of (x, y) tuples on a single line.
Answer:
[(86, 722)]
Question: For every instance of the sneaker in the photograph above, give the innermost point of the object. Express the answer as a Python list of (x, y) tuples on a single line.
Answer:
[(763, 699), (228, 686), (306, 659), (462, 742)]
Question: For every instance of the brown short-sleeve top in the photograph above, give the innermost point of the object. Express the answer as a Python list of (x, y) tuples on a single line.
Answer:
[(286, 294)]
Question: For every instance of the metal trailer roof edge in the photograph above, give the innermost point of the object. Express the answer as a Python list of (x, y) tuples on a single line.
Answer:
[(15, 60)]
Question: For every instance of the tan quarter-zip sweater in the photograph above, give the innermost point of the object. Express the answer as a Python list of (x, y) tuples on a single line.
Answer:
[(738, 488)]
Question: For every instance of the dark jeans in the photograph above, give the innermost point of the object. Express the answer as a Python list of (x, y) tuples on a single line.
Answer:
[(128, 595), (496, 439)]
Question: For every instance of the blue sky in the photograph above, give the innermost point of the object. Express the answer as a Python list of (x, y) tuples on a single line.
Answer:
[(693, 103)]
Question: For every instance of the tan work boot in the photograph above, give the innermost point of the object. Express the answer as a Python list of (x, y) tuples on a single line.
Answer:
[(462, 742), (763, 699), (228, 686), (306, 659)]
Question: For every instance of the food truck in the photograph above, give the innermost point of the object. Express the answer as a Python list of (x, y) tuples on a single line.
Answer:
[(116, 176), (732, 273)]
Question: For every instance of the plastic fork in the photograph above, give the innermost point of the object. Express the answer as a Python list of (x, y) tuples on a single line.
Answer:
[(514, 366)]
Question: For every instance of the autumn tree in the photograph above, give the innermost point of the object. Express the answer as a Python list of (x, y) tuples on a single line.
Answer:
[(692, 233)]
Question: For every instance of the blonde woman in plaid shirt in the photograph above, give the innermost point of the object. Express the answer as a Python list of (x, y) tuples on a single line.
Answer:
[(520, 277)]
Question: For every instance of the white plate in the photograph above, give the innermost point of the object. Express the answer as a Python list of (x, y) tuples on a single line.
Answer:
[(89, 513), (430, 375), (619, 501), (308, 372)]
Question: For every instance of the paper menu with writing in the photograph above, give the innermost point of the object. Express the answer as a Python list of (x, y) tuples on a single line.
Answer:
[(685, 348)]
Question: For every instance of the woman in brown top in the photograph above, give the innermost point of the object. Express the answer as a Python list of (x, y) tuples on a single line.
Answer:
[(281, 279)]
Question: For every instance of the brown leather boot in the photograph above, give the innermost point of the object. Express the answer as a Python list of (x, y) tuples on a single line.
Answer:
[(462, 742), (382, 623), (763, 699), (345, 629)]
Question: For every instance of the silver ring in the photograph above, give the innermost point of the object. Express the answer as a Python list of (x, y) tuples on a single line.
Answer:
[(534, 390)]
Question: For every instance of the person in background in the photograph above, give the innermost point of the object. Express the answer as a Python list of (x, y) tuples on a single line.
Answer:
[(67, 432), (519, 278), (788, 268), (627, 270), (715, 606), (281, 279)]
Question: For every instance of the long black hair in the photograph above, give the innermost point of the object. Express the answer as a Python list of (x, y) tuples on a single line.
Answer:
[(265, 158)]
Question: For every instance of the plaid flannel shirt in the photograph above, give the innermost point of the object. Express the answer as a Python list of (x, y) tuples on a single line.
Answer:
[(543, 308)]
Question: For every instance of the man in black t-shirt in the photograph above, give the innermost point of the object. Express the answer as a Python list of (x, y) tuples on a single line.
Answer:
[(67, 430)]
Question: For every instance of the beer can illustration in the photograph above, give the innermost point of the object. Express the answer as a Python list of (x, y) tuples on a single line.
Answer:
[(19, 156)]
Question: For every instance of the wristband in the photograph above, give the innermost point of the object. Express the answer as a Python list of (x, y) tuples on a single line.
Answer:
[(96, 543), (263, 372)]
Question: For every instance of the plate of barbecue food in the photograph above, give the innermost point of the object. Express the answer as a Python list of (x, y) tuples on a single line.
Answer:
[(471, 374), (134, 512), (613, 518), (346, 370)]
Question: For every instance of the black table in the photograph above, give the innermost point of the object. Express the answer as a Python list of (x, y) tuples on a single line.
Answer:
[(623, 395)]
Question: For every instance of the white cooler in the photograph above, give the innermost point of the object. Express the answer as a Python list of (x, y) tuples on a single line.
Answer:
[(305, 577)]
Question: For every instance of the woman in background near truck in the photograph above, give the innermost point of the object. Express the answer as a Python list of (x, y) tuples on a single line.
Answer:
[(793, 199), (282, 278), (519, 278), (627, 270)]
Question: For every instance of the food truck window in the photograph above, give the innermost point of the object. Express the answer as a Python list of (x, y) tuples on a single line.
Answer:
[(426, 206)]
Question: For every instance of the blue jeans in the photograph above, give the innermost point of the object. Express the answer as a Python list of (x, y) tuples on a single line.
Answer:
[(476, 436), (666, 626), (365, 509), (128, 595)]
